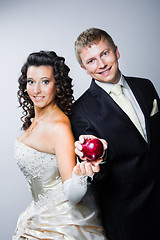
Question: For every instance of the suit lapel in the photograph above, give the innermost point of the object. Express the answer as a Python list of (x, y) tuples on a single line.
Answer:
[(108, 104), (141, 101), (111, 106)]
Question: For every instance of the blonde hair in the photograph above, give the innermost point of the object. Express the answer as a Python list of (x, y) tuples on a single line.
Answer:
[(89, 37)]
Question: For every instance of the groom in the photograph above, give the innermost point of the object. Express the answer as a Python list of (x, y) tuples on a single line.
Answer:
[(128, 184)]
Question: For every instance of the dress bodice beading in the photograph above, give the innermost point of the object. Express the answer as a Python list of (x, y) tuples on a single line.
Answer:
[(41, 171)]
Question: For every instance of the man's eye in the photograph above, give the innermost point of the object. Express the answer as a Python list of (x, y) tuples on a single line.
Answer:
[(91, 61)]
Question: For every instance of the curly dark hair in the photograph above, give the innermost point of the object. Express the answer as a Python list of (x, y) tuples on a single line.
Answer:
[(64, 93)]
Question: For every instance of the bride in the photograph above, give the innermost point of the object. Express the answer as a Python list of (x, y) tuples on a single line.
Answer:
[(45, 155)]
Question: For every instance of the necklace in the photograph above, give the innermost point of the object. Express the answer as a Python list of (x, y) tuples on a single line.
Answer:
[(37, 121)]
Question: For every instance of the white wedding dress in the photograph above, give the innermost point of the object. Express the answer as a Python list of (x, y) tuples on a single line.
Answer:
[(51, 215)]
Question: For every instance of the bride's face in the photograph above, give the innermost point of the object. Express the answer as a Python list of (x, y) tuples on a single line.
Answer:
[(41, 85)]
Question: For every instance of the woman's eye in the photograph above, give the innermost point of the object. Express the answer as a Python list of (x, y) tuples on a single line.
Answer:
[(45, 82), (105, 53), (30, 82)]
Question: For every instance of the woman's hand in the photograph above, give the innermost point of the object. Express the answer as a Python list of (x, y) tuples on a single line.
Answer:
[(86, 168)]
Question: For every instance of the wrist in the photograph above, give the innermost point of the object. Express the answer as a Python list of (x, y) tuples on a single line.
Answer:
[(79, 179)]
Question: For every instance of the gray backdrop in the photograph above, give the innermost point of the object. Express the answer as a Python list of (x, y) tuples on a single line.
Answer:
[(27, 26)]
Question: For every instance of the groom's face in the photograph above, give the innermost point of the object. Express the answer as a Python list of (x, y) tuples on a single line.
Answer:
[(101, 61)]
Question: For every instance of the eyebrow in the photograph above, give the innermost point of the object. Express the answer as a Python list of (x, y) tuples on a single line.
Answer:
[(45, 78), (105, 50), (30, 78)]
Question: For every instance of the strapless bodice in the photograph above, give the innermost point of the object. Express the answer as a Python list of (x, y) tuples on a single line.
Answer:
[(40, 169)]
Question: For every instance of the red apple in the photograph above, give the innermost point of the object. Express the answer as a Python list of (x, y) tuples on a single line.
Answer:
[(92, 149)]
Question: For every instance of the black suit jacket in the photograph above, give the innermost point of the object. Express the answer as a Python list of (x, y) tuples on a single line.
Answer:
[(128, 184)]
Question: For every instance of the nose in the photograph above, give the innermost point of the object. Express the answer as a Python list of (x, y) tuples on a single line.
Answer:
[(37, 88), (101, 63)]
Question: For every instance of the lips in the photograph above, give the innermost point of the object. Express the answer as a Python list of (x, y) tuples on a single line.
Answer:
[(38, 98), (106, 71)]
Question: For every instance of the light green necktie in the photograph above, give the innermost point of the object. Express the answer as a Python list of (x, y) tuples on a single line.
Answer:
[(126, 106)]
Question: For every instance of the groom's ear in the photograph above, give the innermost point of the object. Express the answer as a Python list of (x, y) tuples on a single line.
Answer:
[(85, 69)]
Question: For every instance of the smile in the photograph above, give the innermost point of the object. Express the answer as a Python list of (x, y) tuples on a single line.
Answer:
[(106, 71), (38, 98)]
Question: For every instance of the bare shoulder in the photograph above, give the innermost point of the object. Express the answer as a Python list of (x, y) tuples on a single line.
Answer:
[(59, 128), (59, 123)]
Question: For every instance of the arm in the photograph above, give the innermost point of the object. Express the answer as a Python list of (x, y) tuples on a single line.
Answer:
[(74, 176)]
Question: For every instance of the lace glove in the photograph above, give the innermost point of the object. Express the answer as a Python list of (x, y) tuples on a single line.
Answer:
[(75, 188)]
